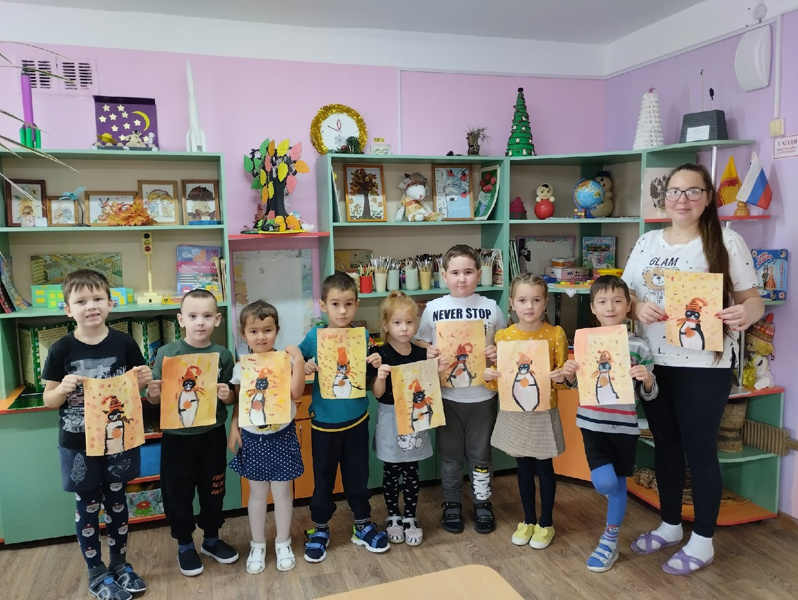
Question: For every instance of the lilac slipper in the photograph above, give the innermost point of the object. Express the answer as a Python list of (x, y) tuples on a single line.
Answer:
[(648, 543), (690, 564)]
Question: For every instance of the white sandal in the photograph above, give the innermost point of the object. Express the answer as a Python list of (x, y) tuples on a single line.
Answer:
[(285, 556), (414, 535), (256, 561), (395, 531)]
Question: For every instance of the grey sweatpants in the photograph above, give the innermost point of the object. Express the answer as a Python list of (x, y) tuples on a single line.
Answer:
[(466, 436)]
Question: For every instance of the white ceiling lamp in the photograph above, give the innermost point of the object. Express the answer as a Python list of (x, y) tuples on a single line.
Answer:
[(752, 59)]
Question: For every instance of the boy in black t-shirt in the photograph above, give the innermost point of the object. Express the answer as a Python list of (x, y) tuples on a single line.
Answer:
[(93, 350)]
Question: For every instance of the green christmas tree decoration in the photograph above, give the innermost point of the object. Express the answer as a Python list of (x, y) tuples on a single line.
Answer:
[(520, 141)]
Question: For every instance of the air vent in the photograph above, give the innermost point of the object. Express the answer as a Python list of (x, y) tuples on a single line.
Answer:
[(79, 75), (39, 73)]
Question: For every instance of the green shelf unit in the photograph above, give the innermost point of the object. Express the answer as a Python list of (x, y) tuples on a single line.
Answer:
[(38, 313)]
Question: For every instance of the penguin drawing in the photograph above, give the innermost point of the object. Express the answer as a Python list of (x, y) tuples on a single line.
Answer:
[(460, 376), (342, 386), (526, 392), (605, 393), (188, 401), (690, 334), (257, 405), (115, 427), (421, 415)]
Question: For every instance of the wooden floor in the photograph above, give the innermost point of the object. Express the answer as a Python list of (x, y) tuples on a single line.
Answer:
[(752, 561)]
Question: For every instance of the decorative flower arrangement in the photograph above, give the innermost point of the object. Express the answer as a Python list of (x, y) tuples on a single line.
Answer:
[(274, 168), (133, 214)]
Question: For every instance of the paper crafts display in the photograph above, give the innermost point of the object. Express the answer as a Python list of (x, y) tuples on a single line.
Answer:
[(604, 365), (112, 414), (264, 397), (692, 300), (462, 344), (188, 390), (341, 356), (417, 396), (524, 368)]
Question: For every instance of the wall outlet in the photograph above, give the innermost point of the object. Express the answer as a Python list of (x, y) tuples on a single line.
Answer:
[(777, 127)]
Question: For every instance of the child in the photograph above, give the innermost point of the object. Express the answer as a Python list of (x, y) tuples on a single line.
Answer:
[(533, 437), (610, 432), (470, 411), (269, 455), (339, 435), (195, 458), (94, 350), (400, 453)]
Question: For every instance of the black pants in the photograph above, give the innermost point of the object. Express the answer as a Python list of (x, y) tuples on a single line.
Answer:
[(685, 419), (349, 449), (194, 462), (544, 468)]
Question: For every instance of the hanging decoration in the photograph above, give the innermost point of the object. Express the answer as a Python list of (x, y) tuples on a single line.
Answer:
[(338, 128)]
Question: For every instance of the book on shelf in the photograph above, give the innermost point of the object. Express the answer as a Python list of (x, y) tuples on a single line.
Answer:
[(198, 267), (771, 270), (598, 252), (7, 281)]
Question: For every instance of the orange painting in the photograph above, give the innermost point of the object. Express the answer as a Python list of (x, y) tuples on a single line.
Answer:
[(417, 396), (264, 397), (112, 414), (604, 365), (462, 344), (524, 383), (188, 390), (692, 300), (341, 356)]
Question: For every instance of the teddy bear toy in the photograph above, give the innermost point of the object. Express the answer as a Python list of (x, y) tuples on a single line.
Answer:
[(605, 208), (412, 207), (544, 201)]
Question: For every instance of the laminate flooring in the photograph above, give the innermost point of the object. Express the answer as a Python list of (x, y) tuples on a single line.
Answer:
[(753, 561)]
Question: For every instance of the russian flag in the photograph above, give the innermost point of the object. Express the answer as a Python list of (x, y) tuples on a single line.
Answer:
[(755, 189)]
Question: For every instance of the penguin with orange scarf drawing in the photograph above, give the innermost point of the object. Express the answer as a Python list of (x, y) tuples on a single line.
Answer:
[(526, 392), (421, 415), (460, 376), (690, 334), (115, 427), (342, 385), (257, 405), (605, 393), (188, 401)]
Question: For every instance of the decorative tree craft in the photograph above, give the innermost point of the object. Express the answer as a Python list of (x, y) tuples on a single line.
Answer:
[(649, 124), (520, 141), (363, 182), (274, 169)]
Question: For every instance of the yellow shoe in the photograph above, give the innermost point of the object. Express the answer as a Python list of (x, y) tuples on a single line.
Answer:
[(541, 538), (523, 534)]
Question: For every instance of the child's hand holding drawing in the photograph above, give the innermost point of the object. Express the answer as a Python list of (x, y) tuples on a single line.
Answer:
[(154, 391), (223, 393), (143, 375)]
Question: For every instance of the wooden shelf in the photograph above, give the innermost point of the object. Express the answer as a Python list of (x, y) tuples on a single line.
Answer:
[(154, 435), (730, 514), (251, 237), (748, 453), (752, 393), (431, 292), (572, 221), (147, 479), (22, 154), (370, 224), (722, 218), (35, 313), (120, 229)]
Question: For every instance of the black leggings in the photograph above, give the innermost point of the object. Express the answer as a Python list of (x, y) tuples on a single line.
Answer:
[(390, 487), (685, 419), (544, 468)]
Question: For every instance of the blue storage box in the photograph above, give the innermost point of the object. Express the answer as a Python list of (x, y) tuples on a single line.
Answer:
[(150, 459)]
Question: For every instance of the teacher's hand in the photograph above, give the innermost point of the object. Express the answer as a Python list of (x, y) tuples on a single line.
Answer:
[(648, 313), (739, 317)]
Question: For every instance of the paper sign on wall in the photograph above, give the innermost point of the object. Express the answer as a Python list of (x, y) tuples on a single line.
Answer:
[(112, 414), (188, 390), (524, 368), (692, 300), (417, 396), (264, 397), (462, 344), (604, 365), (341, 355)]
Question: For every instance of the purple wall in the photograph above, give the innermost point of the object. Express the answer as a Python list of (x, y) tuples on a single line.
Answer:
[(747, 116)]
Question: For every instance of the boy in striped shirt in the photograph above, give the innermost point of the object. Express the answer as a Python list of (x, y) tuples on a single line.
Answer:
[(610, 432)]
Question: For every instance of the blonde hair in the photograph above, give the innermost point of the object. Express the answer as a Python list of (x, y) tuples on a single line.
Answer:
[(529, 279), (394, 302)]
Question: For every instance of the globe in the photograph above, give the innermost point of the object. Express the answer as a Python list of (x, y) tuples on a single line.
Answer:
[(588, 194)]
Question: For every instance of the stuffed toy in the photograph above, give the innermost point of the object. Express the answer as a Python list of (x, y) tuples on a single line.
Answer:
[(544, 201), (412, 207), (605, 208)]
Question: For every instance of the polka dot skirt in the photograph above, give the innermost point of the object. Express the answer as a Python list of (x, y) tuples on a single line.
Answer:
[(269, 457)]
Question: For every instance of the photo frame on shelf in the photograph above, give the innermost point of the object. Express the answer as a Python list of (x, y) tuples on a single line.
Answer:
[(24, 211), (653, 192), (487, 192), (201, 202), (536, 251), (364, 188), (62, 212), (162, 201), (453, 194), (99, 205)]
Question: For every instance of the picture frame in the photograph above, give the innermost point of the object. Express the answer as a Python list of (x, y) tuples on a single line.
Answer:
[(487, 192), (22, 211), (364, 188), (162, 201), (98, 205), (536, 251), (63, 212), (201, 202), (454, 198)]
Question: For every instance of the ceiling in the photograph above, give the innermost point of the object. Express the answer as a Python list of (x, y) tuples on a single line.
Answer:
[(574, 21)]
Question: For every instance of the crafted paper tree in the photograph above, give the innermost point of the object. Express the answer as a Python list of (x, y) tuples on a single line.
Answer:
[(365, 183), (274, 169), (649, 124), (520, 140)]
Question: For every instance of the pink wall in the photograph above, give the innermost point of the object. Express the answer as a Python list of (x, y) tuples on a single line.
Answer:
[(747, 116)]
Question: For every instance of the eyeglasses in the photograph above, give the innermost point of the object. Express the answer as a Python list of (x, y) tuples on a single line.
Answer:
[(692, 194)]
